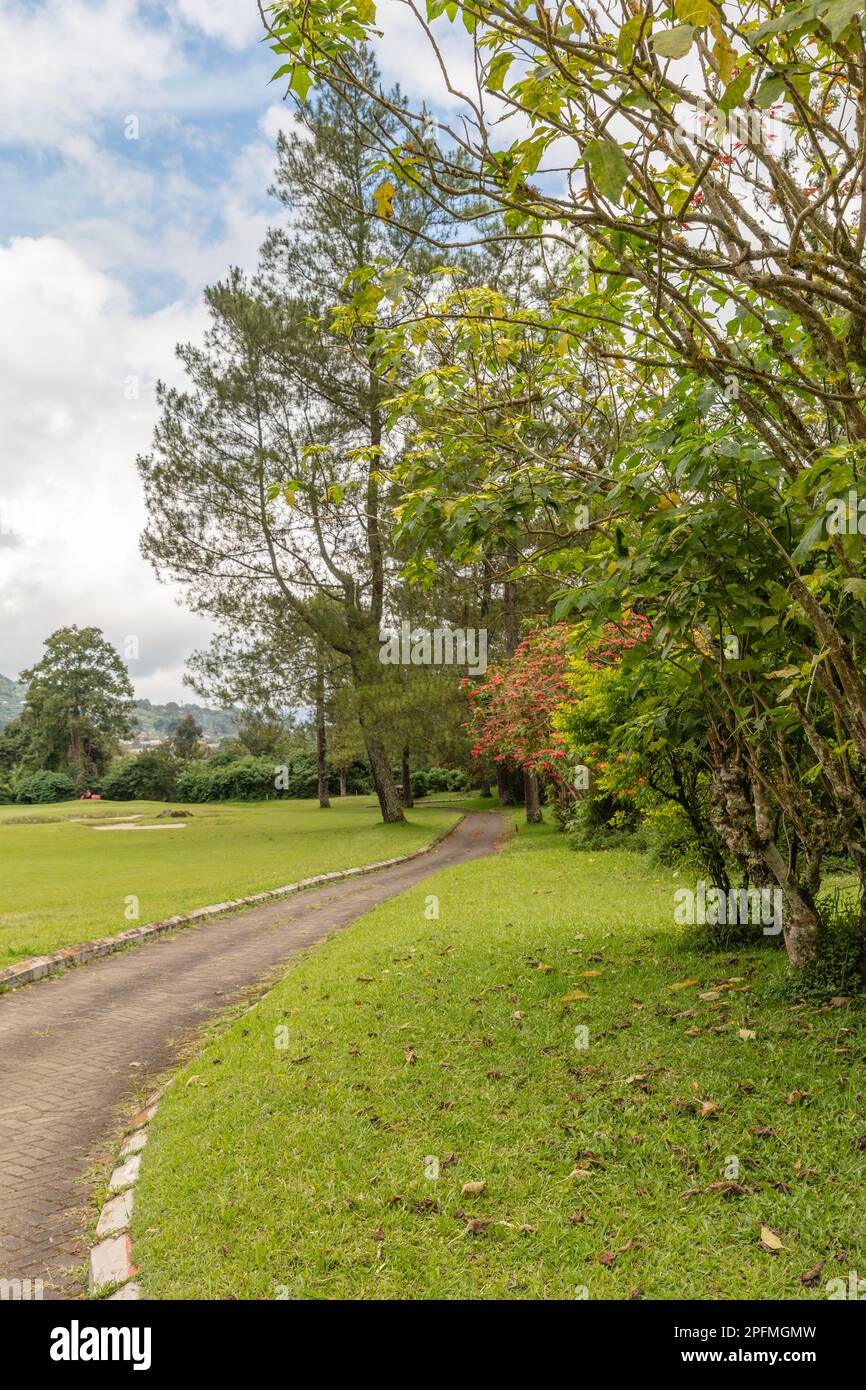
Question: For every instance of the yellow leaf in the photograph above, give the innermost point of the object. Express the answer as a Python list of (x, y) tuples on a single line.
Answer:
[(384, 199), (575, 994), (289, 495), (612, 567), (589, 974), (683, 984), (724, 56), (746, 1034), (580, 1173)]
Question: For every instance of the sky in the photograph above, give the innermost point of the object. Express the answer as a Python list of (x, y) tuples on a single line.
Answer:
[(136, 149)]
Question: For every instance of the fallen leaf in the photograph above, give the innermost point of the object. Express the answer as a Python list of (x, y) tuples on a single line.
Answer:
[(683, 984), (607, 1257), (572, 997), (472, 1189), (474, 1226), (580, 1173), (708, 1108), (379, 1235), (765, 1131), (411, 1056), (577, 1218), (810, 1278), (769, 1240), (746, 1034), (794, 1096)]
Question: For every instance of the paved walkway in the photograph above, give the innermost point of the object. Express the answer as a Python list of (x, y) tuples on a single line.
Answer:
[(75, 1050)]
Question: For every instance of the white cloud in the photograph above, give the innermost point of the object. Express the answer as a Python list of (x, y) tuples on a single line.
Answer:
[(235, 22), (72, 352)]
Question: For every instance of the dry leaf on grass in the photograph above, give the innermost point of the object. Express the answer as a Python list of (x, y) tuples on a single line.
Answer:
[(472, 1189), (770, 1241)]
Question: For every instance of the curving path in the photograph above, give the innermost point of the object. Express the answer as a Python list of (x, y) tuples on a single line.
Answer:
[(76, 1048)]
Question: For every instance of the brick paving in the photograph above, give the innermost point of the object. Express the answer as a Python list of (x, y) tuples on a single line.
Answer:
[(76, 1050)]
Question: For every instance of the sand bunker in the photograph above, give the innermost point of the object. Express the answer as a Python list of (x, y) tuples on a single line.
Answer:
[(126, 826)]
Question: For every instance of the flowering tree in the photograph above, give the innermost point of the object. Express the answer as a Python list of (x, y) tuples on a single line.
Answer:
[(511, 709), (514, 709)]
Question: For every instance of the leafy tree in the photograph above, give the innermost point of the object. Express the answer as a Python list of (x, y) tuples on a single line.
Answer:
[(186, 737), (78, 703), (696, 388), (266, 477)]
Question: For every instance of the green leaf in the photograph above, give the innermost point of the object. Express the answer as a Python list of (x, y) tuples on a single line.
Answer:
[(608, 167), (838, 15), (791, 19), (770, 90), (813, 534), (628, 36), (735, 91), (674, 43), (301, 82), (496, 73)]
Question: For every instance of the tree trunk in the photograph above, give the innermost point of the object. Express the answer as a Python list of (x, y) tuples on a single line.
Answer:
[(321, 738), (484, 789), (533, 799), (386, 791), (407, 780), (342, 781), (503, 785)]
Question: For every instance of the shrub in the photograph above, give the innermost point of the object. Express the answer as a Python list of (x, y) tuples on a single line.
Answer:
[(149, 776), (420, 784), (39, 788)]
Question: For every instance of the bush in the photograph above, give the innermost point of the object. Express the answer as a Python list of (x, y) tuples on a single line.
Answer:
[(150, 776), (420, 784), (39, 788), (121, 781), (596, 826)]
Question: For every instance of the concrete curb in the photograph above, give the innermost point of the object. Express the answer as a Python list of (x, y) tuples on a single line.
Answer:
[(38, 967), (111, 1263)]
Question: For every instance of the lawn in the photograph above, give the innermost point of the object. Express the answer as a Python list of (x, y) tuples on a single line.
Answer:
[(63, 880), (412, 1114)]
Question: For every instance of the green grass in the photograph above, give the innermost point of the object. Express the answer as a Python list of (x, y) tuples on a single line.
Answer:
[(300, 1172), (62, 882)]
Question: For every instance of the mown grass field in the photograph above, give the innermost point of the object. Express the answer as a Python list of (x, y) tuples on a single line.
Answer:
[(63, 881), (697, 1148)]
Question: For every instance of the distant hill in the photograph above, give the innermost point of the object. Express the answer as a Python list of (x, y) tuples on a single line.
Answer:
[(159, 721), (152, 721), (11, 700)]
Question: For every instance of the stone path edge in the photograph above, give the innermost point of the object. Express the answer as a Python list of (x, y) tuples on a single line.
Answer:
[(38, 967), (111, 1265)]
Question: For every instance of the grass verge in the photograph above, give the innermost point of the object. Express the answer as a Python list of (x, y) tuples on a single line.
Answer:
[(697, 1147)]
